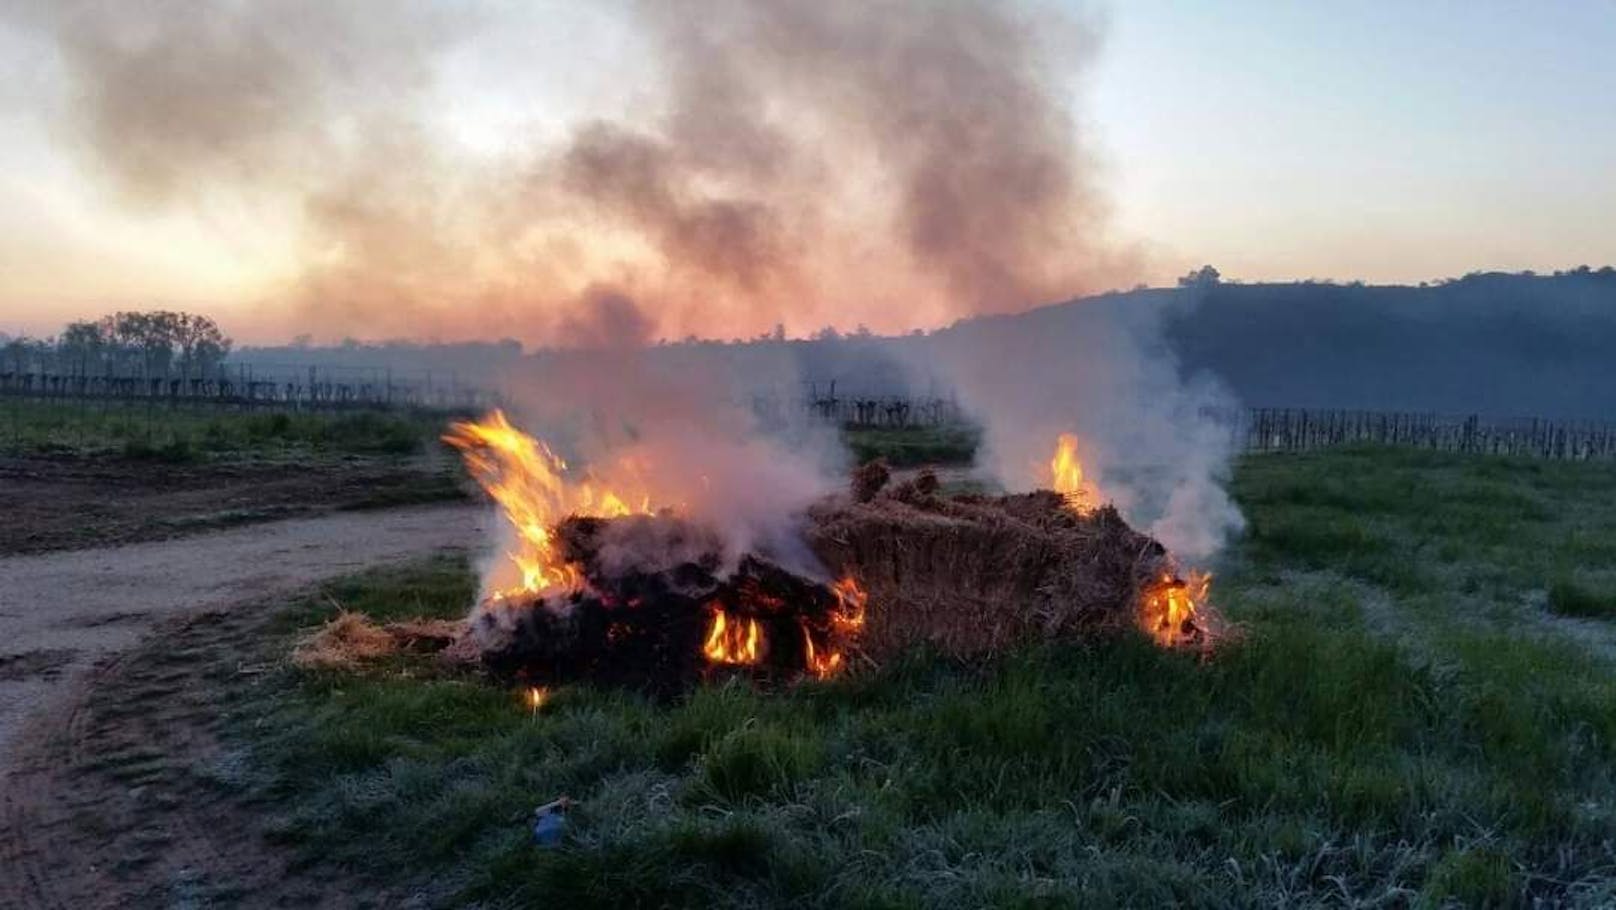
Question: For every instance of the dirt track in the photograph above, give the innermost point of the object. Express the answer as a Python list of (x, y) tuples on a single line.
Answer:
[(67, 502), (59, 612)]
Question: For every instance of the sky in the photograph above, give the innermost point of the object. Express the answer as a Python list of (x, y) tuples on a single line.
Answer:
[(1391, 142)]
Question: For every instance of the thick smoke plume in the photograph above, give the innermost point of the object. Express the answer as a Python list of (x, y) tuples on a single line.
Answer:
[(896, 163)]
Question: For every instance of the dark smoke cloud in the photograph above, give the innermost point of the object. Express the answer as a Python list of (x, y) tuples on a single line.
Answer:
[(886, 162), (175, 98)]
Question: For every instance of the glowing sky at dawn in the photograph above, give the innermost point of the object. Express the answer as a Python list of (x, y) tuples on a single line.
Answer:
[(1383, 141)]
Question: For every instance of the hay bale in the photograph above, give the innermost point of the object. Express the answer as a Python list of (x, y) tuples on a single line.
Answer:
[(975, 574), (869, 478)]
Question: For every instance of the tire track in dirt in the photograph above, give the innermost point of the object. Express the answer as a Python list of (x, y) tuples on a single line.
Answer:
[(124, 798), (100, 601), (110, 794)]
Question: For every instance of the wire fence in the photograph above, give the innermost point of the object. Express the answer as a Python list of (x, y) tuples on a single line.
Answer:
[(863, 410), (1302, 430), (316, 388), (44, 410)]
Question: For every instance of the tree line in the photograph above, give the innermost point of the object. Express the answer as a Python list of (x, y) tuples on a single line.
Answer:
[(150, 343)]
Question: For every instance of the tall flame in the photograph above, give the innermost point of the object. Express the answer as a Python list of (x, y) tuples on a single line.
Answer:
[(1066, 473), (531, 485)]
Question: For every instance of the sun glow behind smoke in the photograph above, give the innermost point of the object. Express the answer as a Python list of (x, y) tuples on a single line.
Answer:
[(795, 162)]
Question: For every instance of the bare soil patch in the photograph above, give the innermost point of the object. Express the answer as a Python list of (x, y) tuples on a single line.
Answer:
[(61, 502), (72, 607), (129, 798)]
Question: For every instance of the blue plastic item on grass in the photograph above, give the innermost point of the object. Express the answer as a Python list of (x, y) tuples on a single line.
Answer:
[(550, 822)]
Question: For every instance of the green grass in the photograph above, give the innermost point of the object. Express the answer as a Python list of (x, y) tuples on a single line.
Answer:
[(188, 434), (913, 446), (1401, 722), (1569, 596)]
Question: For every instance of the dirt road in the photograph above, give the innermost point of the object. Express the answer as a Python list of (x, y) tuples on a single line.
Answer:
[(69, 502), (60, 611)]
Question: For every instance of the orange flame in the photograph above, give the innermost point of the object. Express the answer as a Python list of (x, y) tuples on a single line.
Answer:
[(536, 697), (1066, 474), (847, 619), (1167, 609), (822, 665), (853, 600), (530, 484), (738, 642)]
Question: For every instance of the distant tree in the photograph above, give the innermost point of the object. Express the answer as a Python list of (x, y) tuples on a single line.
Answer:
[(201, 342), (145, 341), (828, 333), (81, 345), (17, 353), (142, 341), (1205, 276)]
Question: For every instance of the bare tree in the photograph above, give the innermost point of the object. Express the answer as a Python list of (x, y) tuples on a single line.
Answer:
[(202, 343), (80, 344)]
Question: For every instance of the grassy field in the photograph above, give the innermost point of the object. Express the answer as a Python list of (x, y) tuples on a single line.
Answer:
[(179, 433), (910, 446), (1419, 710)]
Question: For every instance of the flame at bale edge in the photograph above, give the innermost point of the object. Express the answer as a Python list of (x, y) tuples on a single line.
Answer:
[(531, 486), (1168, 608), (846, 622), (822, 664), (852, 601)]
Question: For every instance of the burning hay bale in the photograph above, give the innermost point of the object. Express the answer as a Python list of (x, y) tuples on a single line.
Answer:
[(657, 609), (599, 590), (971, 575)]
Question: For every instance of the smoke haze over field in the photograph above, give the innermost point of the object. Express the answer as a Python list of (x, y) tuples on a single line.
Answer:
[(1149, 440), (897, 164)]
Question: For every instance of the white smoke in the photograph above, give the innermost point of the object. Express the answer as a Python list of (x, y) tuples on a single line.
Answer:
[(1151, 441)]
